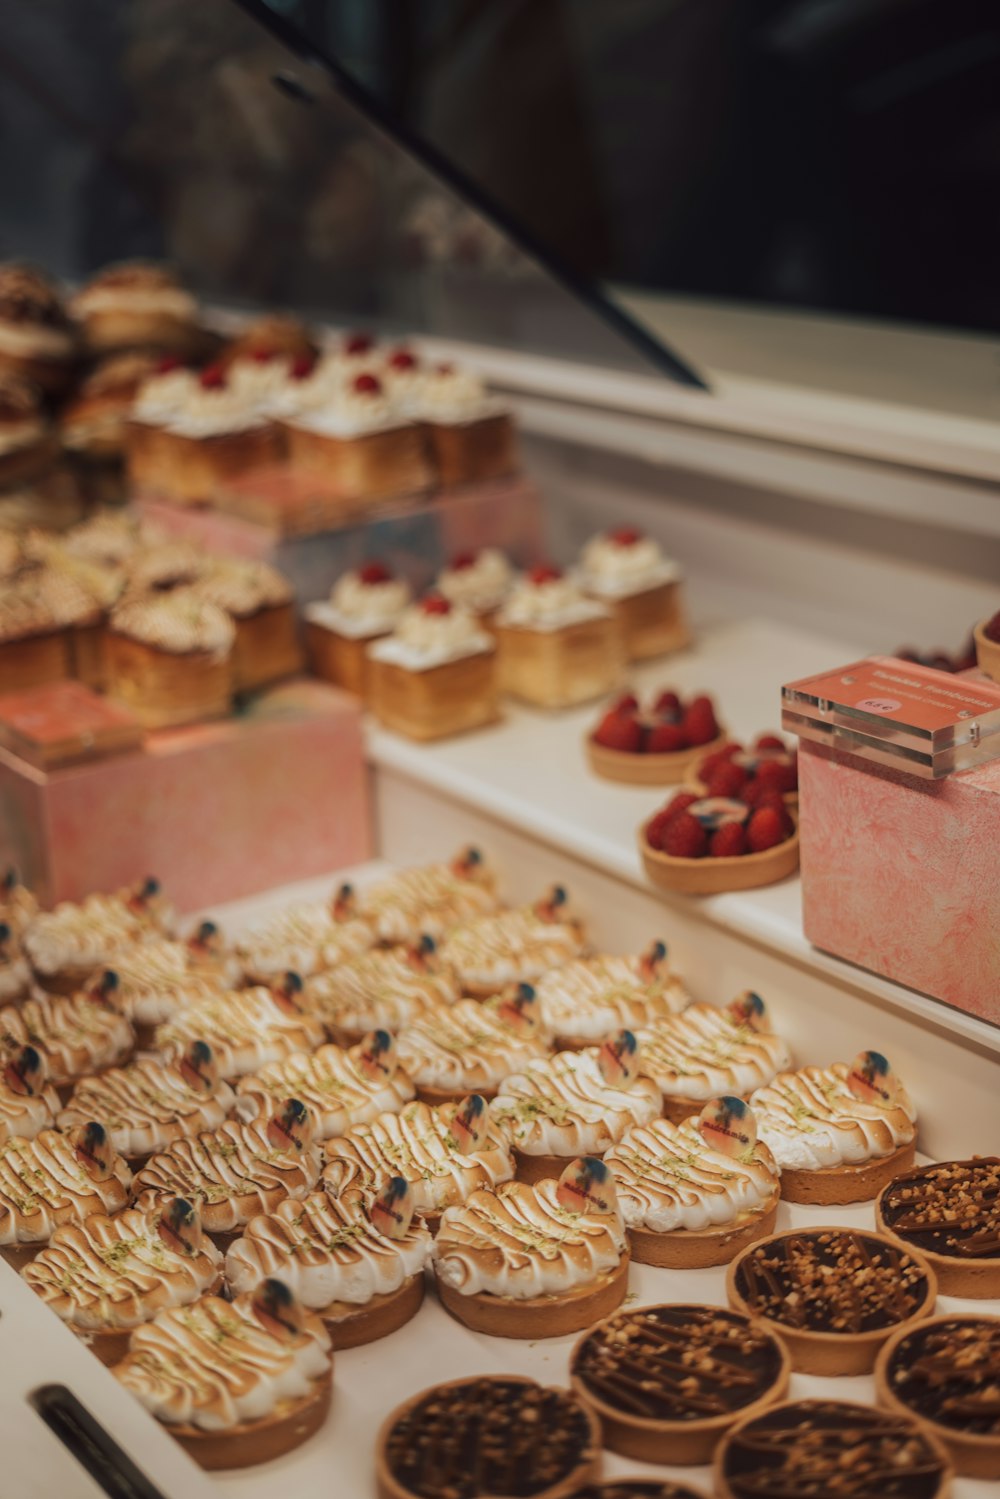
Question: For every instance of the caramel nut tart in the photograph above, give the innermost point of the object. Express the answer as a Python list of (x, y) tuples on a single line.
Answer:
[(946, 1373), (695, 1194), (667, 1381), (706, 1052), (78, 1036), (483, 1437), (575, 1103), (56, 1179), (832, 1449), (37, 340), (638, 1488), (28, 1101), (236, 1383), (305, 939), (519, 1261), (383, 990), (584, 1002), (427, 899), (839, 1133), (246, 1030), (105, 1276), (259, 601), (151, 1103), (236, 1171), (514, 947), (339, 1088), (137, 304), (834, 1295), (357, 1261), (473, 1046), (950, 1212), (445, 1153)]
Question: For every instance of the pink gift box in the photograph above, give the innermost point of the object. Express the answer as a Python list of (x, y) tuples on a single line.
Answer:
[(216, 811), (902, 875)]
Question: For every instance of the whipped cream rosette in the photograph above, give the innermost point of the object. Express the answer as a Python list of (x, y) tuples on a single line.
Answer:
[(706, 1052), (28, 1101), (340, 1088), (839, 1133), (247, 1029), (305, 939), (431, 633), (107, 1275), (548, 599), (151, 1103), (236, 1383), (238, 1170), (575, 1103), (694, 1194), (616, 564), (444, 1152), (515, 946), (363, 603), (585, 1001), (429, 899), (383, 989), (473, 1046), (77, 1035), (478, 581), (357, 1260), (55, 1179)]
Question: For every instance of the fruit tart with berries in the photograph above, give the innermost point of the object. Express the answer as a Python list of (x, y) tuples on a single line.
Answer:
[(657, 745), (703, 845), (748, 772)]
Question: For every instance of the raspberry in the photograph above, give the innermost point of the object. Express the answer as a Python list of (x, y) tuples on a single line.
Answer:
[(402, 359), (718, 757), (656, 828), (627, 704), (685, 838), (760, 794), (768, 742), (728, 842), (368, 385), (302, 367), (726, 779), (168, 364), (666, 739), (461, 561), (619, 731), (374, 572), (774, 773), (213, 377), (435, 604), (699, 721), (768, 827), (625, 536), (681, 802), (545, 572), (668, 705), (358, 343), (263, 356)]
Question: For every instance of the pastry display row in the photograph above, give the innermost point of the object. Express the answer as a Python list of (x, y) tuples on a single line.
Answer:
[(230, 1157)]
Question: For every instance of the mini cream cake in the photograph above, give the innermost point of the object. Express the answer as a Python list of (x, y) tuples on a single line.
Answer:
[(170, 658), (840, 1133), (384, 989), (55, 1179), (237, 1383), (246, 1029), (586, 1001), (37, 340), (473, 1046), (435, 675), (629, 573), (306, 939), (470, 431), (137, 304), (694, 1194), (259, 601), (28, 1102), (477, 581), (151, 1103), (430, 898), (36, 642), (105, 1276), (575, 1103), (77, 1036), (160, 397), (358, 1262), (530, 1261), (516, 946), (706, 1052), (445, 1153), (364, 447), (365, 605), (339, 1088), (557, 648), (238, 1170), (214, 433)]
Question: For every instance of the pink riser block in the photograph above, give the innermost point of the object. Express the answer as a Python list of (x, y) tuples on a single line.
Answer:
[(902, 876)]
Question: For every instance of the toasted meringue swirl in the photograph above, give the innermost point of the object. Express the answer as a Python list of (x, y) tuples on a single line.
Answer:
[(511, 947), (704, 1053), (145, 1106), (668, 1178), (155, 981), (77, 1034), (81, 936), (594, 997), (332, 1086), (22, 1115), (431, 899), (467, 1048), (811, 1119), (562, 1106), (307, 939), (43, 1184), (246, 1030), (380, 989)]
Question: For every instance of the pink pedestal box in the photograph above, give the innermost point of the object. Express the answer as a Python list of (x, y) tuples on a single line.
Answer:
[(902, 876), (216, 812)]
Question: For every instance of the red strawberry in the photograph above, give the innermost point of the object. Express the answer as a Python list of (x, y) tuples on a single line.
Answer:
[(625, 536), (435, 604), (726, 779), (728, 842), (666, 739), (768, 827), (769, 742), (619, 731), (627, 704), (656, 828), (685, 838), (461, 561), (668, 705), (368, 385), (402, 359), (213, 377), (699, 721), (167, 364), (545, 572), (358, 343), (374, 572), (302, 367)]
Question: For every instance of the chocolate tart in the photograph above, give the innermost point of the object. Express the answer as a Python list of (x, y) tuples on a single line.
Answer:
[(638, 1488), (833, 1450), (668, 1381), (946, 1373), (483, 1437), (709, 876), (950, 1212), (638, 769), (833, 1295)]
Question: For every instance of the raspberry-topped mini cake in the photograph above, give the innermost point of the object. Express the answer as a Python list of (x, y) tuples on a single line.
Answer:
[(215, 433), (839, 1133), (247, 1029), (137, 304), (473, 1046), (364, 606), (428, 899), (435, 675), (629, 572), (707, 1052), (387, 990), (470, 432), (557, 647), (586, 1001), (357, 438), (37, 340), (339, 1088), (53, 1179), (516, 946), (477, 581)]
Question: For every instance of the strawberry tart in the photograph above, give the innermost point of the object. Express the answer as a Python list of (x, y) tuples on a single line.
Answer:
[(702, 845), (656, 745)]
